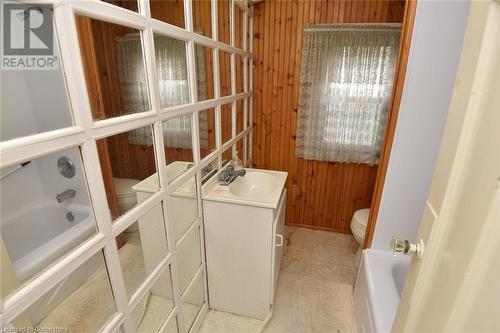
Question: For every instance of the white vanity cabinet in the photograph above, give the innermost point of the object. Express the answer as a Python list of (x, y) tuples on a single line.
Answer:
[(244, 246)]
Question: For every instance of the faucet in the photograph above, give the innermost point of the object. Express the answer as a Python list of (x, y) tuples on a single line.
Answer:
[(68, 194), (228, 175), (206, 170)]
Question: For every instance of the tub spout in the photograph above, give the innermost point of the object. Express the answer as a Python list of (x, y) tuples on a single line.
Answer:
[(68, 194)]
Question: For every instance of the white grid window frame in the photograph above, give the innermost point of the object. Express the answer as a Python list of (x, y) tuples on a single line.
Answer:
[(86, 131)]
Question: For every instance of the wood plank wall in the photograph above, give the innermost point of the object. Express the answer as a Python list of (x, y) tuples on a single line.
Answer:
[(321, 195)]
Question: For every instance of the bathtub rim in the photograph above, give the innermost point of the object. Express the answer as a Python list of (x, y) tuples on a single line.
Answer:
[(31, 263), (382, 295)]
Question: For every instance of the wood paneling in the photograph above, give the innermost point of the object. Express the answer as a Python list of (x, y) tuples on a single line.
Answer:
[(321, 195)]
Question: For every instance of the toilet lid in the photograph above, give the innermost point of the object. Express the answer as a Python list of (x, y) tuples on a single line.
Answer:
[(123, 186), (361, 217)]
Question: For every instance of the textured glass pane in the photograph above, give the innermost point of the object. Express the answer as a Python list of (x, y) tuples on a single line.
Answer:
[(171, 66), (209, 170), (188, 258), (113, 64), (250, 69), (227, 155), (128, 167), (142, 247), (249, 155), (45, 214), (178, 142), (81, 302), (207, 132), (127, 4), (225, 73), (184, 207), (239, 116), (239, 74), (226, 123), (32, 101), (248, 35), (202, 17), (223, 7), (192, 301), (239, 149), (169, 11), (238, 27), (153, 309), (249, 111), (204, 72)]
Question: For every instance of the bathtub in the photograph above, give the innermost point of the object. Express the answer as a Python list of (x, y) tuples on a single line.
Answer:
[(37, 235), (378, 289)]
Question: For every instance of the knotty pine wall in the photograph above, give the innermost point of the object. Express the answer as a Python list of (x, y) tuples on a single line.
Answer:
[(321, 195)]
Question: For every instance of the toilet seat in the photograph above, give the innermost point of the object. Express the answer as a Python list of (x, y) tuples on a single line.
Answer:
[(123, 187), (125, 195), (360, 218), (359, 223)]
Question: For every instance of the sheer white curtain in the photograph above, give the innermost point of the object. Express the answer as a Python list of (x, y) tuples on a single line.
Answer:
[(173, 85), (133, 84), (345, 88)]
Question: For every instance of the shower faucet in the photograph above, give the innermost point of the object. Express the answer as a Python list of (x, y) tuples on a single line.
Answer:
[(68, 194)]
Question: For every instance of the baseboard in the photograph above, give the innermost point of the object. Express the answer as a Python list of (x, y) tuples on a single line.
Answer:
[(308, 226)]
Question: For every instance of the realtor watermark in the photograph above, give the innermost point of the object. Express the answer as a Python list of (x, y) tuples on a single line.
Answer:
[(27, 37)]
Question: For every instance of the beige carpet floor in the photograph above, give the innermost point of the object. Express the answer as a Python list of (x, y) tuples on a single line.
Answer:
[(92, 305), (314, 288), (314, 292)]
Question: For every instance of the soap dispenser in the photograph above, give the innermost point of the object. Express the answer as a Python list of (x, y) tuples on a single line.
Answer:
[(237, 163)]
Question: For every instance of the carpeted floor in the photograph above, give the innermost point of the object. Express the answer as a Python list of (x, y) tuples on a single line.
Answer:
[(92, 305), (314, 289)]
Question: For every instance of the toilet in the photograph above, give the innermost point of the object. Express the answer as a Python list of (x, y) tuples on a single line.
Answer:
[(126, 196), (358, 228)]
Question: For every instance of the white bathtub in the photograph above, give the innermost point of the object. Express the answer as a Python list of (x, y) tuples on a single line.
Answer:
[(378, 290), (37, 235)]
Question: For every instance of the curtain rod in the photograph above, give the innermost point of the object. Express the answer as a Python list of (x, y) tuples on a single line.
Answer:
[(353, 27)]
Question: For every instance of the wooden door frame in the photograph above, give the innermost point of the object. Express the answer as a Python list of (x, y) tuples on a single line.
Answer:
[(397, 92)]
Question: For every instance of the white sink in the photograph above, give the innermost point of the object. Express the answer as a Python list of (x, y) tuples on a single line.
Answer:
[(254, 184), (261, 188)]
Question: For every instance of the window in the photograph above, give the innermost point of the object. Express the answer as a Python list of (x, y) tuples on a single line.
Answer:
[(345, 89)]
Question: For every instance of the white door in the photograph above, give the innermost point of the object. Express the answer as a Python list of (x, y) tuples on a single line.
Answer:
[(455, 287)]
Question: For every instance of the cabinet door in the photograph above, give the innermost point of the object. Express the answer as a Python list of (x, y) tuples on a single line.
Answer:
[(278, 240)]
